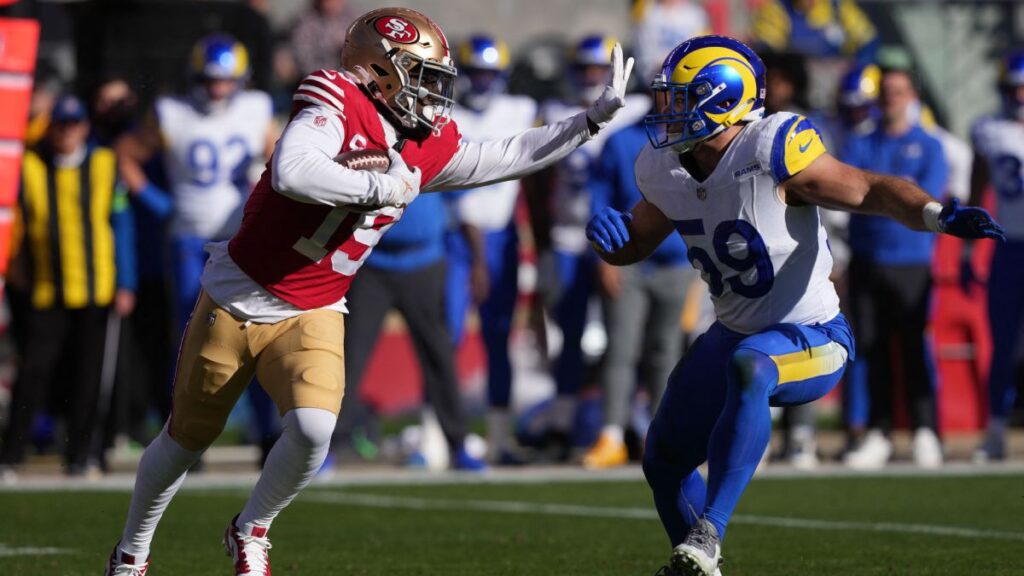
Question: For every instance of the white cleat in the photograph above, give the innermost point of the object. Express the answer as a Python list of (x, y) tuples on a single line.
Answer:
[(121, 564), (701, 552), (873, 453), (927, 449), (248, 550)]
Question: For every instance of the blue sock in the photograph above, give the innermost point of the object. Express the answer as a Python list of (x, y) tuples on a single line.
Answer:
[(741, 434), (679, 497)]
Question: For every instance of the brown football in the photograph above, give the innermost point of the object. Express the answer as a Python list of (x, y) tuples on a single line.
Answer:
[(372, 160)]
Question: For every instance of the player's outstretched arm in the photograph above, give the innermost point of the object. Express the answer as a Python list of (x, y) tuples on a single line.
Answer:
[(832, 184), (480, 163), (623, 238)]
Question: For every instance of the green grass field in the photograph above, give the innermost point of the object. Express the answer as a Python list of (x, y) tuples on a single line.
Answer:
[(963, 526)]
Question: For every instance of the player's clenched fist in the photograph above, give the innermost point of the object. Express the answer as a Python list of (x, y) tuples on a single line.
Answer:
[(608, 230), (405, 182)]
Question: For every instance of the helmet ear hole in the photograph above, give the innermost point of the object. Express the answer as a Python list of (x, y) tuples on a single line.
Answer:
[(379, 70)]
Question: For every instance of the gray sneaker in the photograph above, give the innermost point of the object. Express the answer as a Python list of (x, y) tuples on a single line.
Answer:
[(992, 449), (701, 552)]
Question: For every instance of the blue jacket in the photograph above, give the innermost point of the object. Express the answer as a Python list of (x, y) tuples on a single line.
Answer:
[(916, 156), (417, 240), (613, 183)]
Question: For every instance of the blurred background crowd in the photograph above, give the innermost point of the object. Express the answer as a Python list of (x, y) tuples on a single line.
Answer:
[(483, 321)]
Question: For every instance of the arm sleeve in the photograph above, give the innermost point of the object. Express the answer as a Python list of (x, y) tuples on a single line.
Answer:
[(156, 200), (479, 163), (303, 166), (123, 223)]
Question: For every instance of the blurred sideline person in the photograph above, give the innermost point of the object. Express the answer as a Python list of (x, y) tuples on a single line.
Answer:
[(319, 34), (891, 279), (856, 115), (210, 140), (743, 190), (274, 295), (786, 91), (74, 258), (999, 161), (483, 244), (559, 200), (658, 25), (642, 305), (815, 28), (406, 272)]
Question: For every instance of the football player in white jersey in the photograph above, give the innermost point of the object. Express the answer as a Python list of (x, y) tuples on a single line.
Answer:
[(744, 193), (483, 252), (210, 141), (559, 210), (999, 160)]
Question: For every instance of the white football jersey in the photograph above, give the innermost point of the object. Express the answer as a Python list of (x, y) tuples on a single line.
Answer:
[(208, 159), (1001, 142), (492, 207), (570, 196), (765, 262)]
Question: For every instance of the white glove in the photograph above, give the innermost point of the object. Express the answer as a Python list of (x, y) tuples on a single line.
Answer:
[(614, 96), (402, 183)]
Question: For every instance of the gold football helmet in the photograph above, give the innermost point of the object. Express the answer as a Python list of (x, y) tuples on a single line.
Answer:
[(402, 59)]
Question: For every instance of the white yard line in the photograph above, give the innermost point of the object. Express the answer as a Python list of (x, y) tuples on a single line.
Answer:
[(7, 552), (517, 507), (393, 476)]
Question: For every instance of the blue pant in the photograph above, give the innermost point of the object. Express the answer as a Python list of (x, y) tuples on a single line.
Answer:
[(576, 276), (716, 409), (188, 259), (1006, 321), (501, 252)]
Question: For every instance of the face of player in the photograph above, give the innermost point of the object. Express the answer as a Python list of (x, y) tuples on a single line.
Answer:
[(67, 137), (1013, 96), (219, 90), (591, 80), (897, 94)]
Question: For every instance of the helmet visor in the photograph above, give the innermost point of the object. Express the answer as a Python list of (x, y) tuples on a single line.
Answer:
[(676, 119), (427, 94)]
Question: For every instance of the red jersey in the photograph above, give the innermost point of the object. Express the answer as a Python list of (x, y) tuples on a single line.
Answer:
[(307, 254)]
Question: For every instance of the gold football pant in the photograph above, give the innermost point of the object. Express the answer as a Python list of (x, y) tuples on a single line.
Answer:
[(299, 362)]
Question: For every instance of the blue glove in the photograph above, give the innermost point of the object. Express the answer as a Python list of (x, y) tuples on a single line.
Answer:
[(608, 229), (969, 222)]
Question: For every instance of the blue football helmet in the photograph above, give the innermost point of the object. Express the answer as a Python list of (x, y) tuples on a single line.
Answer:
[(705, 85), (590, 66), (858, 94), (483, 63), (218, 67), (219, 57), (1011, 79)]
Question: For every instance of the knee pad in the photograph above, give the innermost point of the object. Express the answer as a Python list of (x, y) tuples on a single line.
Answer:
[(754, 371), (310, 427)]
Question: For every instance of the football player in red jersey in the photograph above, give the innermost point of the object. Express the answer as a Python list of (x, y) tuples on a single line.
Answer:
[(274, 295)]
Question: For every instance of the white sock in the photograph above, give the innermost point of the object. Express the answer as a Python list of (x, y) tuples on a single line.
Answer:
[(291, 464), (161, 472), (497, 432), (613, 432)]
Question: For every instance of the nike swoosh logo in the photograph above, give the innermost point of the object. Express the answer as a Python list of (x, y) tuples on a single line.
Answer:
[(330, 75), (804, 147)]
